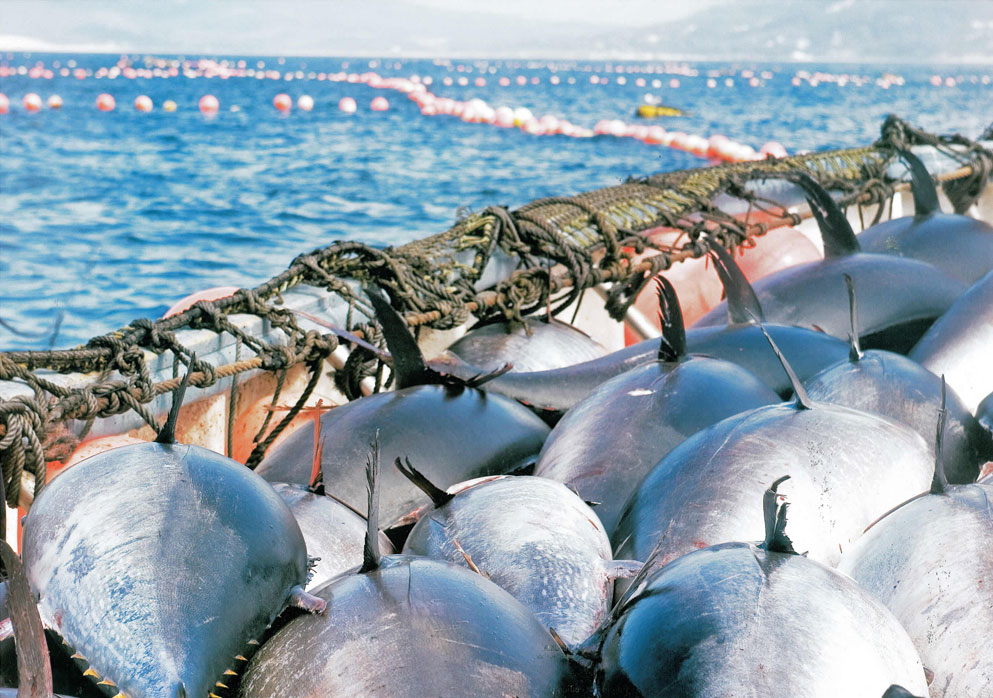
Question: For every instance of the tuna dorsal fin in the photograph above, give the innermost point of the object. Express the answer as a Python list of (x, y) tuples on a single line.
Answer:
[(776, 540), (673, 344), (34, 672), (940, 482), (854, 350), (438, 496), (167, 434), (372, 556), (802, 400), (836, 232), (922, 186), (743, 304), (408, 361)]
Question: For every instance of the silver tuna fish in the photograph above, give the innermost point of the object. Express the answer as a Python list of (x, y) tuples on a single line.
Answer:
[(738, 619), (960, 343), (538, 345), (531, 536), (333, 531), (406, 627), (930, 562), (159, 563), (847, 468), (606, 444), (894, 386)]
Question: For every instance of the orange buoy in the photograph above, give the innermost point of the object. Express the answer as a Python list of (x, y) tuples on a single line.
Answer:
[(207, 294), (105, 102), (54, 102), (209, 105), (347, 105), (32, 102), (305, 103), (4, 103), (91, 447), (282, 102), (379, 104), (143, 103), (779, 248), (248, 421), (168, 105)]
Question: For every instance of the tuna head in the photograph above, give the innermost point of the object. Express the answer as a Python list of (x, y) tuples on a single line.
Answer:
[(158, 564)]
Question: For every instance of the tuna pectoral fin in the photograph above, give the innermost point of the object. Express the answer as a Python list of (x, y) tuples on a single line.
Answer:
[(306, 602), (34, 673), (622, 569)]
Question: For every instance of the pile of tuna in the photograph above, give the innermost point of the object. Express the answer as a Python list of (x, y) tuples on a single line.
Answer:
[(785, 500)]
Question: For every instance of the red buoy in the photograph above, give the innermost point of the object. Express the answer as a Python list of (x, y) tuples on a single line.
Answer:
[(105, 102), (282, 102), (143, 103), (32, 102), (4, 103), (209, 105), (54, 102)]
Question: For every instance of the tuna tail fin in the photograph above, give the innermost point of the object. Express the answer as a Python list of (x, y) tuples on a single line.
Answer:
[(167, 434), (922, 186), (896, 691), (743, 304), (836, 232), (940, 482), (854, 350), (408, 361), (34, 672), (776, 540), (372, 556), (802, 400), (673, 344), (439, 497)]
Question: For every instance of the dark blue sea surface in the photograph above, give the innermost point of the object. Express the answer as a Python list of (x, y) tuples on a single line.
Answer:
[(106, 217)]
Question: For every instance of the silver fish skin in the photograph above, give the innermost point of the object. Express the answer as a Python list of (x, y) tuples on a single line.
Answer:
[(737, 620), (535, 538), (959, 344), (159, 563), (413, 627), (899, 297), (606, 444), (333, 532), (550, 344), (453, 433), (960, 246), (984, 413), (930, 562), (846, 469), (894, 386)]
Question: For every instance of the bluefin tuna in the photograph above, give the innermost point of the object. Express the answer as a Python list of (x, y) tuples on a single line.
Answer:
[(535, 345)]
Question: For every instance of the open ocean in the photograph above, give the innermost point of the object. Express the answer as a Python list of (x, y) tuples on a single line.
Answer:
[(110, 216)]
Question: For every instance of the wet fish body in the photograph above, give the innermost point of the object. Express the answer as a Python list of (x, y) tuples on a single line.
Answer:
[(734, 619), (894, 386), (540, 345), (847, 468), (412, 627), (930, 562), (533, 537), (334, 534), (606, 444), (455, 433), (158, 563), (960, 343)]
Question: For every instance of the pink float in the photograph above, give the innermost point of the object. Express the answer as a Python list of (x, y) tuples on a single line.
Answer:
[(105, 102), (209, 105), (54, 102), (143, 103), (282, 102), (379, 104), (31, 102), (347, 105), (305, 103), (4, 104), (207, 294)]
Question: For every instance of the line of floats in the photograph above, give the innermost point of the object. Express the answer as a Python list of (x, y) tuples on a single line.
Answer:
[(792, 496)]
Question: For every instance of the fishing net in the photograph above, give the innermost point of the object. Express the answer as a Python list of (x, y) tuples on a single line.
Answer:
[(561, 246)]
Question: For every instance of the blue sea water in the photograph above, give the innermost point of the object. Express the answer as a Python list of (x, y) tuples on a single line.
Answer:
[(106, 217)]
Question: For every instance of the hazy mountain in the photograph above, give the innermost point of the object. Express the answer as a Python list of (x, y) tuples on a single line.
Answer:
[(775, 30)]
